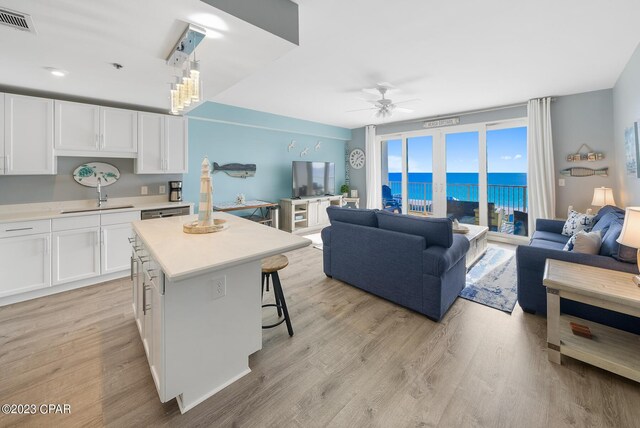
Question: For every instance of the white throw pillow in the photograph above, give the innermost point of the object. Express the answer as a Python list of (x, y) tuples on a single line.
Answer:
[(585, 242), (577, 222)]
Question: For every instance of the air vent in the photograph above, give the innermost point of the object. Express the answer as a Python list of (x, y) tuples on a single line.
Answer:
[(17, 20)]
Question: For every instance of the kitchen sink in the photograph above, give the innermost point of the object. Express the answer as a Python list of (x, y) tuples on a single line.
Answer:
[(84, 210)]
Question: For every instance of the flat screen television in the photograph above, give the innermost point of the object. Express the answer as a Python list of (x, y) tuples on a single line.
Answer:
[(313, 178)]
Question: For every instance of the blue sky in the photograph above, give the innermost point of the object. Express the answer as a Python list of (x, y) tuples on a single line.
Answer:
[(506, 152)]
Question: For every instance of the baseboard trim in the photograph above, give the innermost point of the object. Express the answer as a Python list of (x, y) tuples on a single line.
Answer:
[(48, 291)]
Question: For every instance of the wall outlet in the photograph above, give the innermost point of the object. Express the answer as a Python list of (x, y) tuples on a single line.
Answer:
[(561, 182), (144, 190), (219, 287), (161, 190)]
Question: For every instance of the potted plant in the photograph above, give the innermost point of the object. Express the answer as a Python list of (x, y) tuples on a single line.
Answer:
[(344, 189)]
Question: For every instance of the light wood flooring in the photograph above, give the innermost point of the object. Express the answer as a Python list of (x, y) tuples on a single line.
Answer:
[(355, 361)]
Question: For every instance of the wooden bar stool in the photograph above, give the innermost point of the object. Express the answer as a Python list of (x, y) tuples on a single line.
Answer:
[(270, 267)]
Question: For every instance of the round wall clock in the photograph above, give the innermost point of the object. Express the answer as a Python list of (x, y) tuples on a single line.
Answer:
[(356, 158)]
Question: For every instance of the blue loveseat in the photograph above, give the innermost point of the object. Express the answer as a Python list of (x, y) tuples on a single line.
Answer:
[(548, 242), (412, 261)]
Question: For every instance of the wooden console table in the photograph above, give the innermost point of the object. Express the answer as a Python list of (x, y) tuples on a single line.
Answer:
[(354, 201), (260, 209), (610, 349)]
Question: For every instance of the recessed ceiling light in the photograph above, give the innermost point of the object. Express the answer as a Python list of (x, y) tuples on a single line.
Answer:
[(56, 71)]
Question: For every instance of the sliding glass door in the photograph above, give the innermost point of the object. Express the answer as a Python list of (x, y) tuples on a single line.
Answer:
[(391, 170), (507, 179), (462, 178), (475, 174), (419, 161)]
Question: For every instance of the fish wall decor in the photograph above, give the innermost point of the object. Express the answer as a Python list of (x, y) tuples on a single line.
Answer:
[(238, 170), (578, 171)]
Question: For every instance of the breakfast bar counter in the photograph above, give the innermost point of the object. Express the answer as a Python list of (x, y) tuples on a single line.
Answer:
[(197, 301)]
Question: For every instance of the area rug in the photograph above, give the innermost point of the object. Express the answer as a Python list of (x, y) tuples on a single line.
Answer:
[(316, 240), (492, 280)]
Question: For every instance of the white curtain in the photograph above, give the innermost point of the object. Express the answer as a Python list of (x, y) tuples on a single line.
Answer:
[(541, 178), (372, 168)]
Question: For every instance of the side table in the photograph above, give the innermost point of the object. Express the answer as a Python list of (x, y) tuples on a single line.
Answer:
[(609, 348)]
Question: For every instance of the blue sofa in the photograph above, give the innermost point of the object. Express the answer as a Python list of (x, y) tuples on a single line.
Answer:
[(415, 262), (547, 243)]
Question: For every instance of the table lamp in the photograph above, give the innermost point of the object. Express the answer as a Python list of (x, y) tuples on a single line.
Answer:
[(630, 235), (603, 196)]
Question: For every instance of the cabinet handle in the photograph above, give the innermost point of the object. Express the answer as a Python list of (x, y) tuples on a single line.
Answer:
[(18, 229), (145, 307), (46, 245), (102, 237), (144, 299), (97, 141)]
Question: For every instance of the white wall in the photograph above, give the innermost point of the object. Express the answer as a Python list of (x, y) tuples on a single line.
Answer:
[(626, 110)]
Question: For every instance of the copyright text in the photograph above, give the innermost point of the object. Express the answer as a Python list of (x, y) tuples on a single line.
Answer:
[(36, 409)]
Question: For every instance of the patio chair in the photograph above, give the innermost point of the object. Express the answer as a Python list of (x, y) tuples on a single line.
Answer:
[(389, 203), (521, 223)]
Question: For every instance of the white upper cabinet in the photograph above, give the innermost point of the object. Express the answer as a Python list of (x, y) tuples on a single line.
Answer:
[(162, 144), (176, 144), (90, 130), (3, 159), (150, 144), (77, 126), (27, 148), (119, 130)]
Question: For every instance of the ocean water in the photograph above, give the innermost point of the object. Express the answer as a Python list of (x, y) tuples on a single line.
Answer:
[(506, 189)]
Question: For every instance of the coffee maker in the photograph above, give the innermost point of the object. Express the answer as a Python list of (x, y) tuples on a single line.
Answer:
[(175, 191)]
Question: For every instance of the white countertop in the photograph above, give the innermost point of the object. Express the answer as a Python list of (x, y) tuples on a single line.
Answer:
[(52, 210), (182, 255)]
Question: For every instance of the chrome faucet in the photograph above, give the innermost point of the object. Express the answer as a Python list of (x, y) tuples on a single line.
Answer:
[(99, 191)]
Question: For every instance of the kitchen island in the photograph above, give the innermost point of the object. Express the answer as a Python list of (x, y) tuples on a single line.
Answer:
[(197, 301)]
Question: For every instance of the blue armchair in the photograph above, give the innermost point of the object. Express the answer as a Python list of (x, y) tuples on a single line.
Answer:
[(389, 203)]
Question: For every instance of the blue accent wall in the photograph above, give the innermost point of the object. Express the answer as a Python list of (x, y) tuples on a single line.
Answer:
[(227, 134)]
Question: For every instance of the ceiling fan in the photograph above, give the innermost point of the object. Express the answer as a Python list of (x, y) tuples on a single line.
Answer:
[(384, 107)]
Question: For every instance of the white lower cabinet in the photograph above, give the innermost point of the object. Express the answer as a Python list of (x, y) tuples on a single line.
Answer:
[(148, 308), (115, 232), (76, 254), (25, 263), (155, 337), (89, 246)]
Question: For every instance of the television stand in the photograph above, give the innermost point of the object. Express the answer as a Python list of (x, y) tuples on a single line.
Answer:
[(302, 215)]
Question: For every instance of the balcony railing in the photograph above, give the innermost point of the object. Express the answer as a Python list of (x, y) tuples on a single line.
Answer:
[(509, 198)]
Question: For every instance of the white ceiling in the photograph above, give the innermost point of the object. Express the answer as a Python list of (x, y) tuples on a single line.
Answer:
[(454, 55), (85, 37)]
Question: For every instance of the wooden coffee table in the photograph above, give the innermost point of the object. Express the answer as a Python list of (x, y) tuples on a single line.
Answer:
[(477, 237), (610, 349)]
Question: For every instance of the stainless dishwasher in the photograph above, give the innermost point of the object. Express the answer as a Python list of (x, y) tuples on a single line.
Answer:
[(164, 212)]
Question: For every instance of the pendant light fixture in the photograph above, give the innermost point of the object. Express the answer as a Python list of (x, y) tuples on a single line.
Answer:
[(187, 89)]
